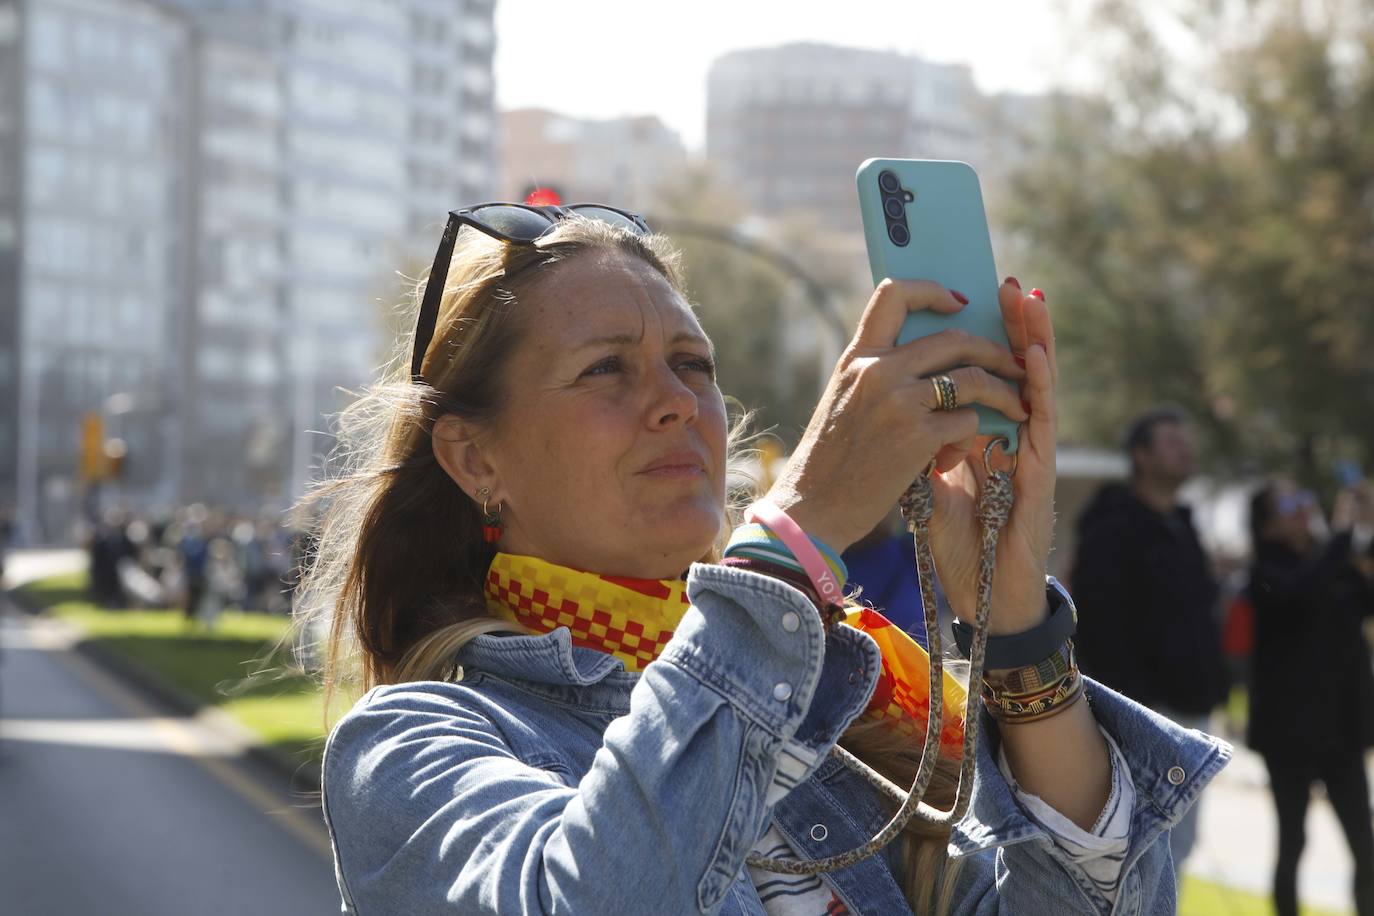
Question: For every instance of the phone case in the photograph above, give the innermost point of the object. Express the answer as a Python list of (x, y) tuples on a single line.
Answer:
[(949, 245)]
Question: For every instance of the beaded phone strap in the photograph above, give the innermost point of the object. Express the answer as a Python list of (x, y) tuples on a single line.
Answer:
[(918, 505)]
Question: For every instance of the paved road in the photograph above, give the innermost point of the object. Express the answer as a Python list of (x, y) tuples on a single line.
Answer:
[(112, 806)]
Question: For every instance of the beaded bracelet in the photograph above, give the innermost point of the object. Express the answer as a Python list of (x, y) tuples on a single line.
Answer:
[(1034, 692)]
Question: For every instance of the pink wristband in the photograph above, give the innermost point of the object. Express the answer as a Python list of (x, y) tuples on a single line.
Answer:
[(789, 532)]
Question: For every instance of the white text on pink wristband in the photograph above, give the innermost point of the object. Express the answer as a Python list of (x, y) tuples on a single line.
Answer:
[(823, 580)]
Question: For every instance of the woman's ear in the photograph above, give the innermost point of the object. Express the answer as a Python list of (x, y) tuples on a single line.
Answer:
[(458, 450)]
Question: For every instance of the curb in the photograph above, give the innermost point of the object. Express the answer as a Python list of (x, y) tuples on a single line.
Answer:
[(301, 776)]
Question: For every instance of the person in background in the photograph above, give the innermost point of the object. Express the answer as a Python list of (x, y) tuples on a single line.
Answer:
[(1147, 601), (1311, 685)]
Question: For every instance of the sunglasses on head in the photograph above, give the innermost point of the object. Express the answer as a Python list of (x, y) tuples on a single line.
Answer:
[(515, 224)]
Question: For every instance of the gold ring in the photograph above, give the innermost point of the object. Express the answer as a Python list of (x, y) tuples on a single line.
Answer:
[(946, 392)]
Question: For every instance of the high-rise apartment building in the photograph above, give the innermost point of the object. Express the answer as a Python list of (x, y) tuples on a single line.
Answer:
[(99, 278), (453, 119), (235, 342), (202, 206), (789, 126)]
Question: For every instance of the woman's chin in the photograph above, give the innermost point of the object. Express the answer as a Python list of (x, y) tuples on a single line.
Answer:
[(680, 538)]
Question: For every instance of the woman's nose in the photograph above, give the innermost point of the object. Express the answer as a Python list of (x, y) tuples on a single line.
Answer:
[(673, 401)]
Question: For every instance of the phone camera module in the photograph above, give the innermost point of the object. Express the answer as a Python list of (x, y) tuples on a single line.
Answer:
[(899, 235), (889, 182), (893, 208)]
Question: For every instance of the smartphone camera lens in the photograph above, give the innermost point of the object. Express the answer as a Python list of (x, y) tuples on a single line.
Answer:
[(899, 234), (893, 208), (889, 182)]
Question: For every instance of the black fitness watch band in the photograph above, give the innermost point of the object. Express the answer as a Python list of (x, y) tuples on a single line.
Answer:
[(1030, 647)]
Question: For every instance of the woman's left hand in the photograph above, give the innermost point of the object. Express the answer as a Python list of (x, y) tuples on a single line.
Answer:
[(1018, 584)]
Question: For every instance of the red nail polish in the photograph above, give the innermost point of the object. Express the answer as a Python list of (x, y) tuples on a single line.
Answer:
[(1013, 281), (1020, 360), (1037, 294), (959, 297), (1025, 405)]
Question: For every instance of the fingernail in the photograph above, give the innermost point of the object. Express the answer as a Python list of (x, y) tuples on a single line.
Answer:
[(1013, 281), (960, 297), (1025, 405), (1037, 294), (1020, 359)]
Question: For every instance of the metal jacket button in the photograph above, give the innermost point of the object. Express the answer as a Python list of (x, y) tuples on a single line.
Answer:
[(1176, 775), (782, 692), (819, 833), (790, 621)]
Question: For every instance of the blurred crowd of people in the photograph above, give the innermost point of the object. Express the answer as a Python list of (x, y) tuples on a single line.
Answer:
[(1177, 628), (199, 559)]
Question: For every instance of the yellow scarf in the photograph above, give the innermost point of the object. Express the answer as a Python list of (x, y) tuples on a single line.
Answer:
[(633, 619)]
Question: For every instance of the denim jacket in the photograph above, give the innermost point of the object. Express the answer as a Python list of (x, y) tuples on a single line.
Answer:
[(549, 780)]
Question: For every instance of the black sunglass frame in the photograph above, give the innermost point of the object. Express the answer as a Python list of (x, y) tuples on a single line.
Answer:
[(468, 216)]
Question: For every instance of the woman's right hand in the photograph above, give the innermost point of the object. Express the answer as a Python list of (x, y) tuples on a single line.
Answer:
[(875, 429)]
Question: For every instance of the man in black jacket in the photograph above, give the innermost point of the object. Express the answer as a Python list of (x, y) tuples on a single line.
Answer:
[(1147, 621)]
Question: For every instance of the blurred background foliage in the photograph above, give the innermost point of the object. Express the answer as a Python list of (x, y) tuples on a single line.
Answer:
[(1206, 232)]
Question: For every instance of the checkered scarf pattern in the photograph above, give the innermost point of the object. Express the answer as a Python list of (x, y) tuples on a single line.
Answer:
[(633, 619)]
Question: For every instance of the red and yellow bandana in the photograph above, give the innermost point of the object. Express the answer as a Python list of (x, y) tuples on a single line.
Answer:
[(633, 619)]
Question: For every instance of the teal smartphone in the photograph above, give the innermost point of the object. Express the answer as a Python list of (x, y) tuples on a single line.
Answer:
[(923, 219)]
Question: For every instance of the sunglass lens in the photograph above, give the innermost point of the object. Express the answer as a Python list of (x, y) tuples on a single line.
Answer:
[(515, 222), (605, 214)]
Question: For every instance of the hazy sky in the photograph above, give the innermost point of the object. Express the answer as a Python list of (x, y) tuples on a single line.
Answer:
[(602, 58)]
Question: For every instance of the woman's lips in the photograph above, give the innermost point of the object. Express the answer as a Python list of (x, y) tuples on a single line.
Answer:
[(676, 471), (676, 466)]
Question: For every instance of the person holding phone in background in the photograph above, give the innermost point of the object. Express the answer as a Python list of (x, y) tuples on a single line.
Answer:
[(589, 689), (1311, 684)]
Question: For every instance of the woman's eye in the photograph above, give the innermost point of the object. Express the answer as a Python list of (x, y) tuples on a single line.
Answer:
[(606, 366), (699, 364)]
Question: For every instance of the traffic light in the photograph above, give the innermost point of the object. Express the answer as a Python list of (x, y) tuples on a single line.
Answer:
[(543, 196), (100, 459), (92, 457)]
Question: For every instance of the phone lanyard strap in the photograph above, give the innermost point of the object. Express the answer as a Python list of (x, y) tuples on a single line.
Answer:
[(993, 509)]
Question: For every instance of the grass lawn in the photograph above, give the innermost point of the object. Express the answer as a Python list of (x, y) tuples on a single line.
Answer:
[(1204, 898), (230, 666)]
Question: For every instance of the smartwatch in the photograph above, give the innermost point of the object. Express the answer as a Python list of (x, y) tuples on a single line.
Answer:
[(1029, 647)]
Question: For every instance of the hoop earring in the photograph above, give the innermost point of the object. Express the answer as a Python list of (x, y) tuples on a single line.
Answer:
[(491, 521)]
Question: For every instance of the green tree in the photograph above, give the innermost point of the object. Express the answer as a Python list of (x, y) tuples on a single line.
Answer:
[(1208, 228)]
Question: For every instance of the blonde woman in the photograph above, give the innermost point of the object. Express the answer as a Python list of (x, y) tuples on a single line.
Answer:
[(588, 690)]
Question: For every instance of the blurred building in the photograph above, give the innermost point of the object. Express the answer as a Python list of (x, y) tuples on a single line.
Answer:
[(203, 204), (453, 115), (788, 127), (236, 338), (99, 91), (624, 162)]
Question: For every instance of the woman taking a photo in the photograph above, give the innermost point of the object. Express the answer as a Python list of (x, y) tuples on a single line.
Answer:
[(1311, 597), (589, 689)]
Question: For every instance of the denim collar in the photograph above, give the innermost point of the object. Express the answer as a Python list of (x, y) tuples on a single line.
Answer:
[(548, 658), (552, 659)]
